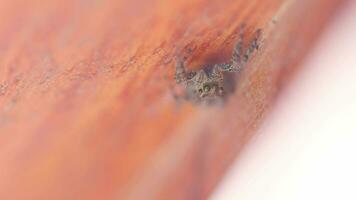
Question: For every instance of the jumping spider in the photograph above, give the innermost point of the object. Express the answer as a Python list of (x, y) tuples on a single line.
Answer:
[(207, 84)]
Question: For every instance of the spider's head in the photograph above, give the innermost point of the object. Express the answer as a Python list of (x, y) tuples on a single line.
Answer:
[(210, 90), (206, 86)]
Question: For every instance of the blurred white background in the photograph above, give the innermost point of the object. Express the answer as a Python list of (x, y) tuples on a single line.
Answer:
[(306, 149)]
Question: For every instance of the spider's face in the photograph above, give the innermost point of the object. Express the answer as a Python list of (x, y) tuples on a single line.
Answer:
[(206, 86), (210, 90)]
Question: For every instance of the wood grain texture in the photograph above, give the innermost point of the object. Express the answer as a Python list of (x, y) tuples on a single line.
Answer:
[(86, 108)]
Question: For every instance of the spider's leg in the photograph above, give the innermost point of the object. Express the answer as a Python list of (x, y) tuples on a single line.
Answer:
[(227, 67), (216, 74), (253, 46), (181, 75), (237, 54), (236, 60), (238, 50)]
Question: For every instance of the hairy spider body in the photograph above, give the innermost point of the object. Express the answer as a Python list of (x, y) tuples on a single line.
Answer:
[(207, 84)]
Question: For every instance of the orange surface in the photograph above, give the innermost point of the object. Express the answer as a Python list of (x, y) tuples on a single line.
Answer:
[(86, 107)]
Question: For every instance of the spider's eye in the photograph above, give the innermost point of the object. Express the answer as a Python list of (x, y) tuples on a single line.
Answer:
[(207, 88), (200, 90)]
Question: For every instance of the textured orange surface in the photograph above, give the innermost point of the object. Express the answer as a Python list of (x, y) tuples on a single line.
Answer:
[(86, 108)]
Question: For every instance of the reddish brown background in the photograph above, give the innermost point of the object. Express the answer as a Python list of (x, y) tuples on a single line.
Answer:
[(86, 110)]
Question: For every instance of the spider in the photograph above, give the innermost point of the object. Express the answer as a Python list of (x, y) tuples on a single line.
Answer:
[(207, 84)]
